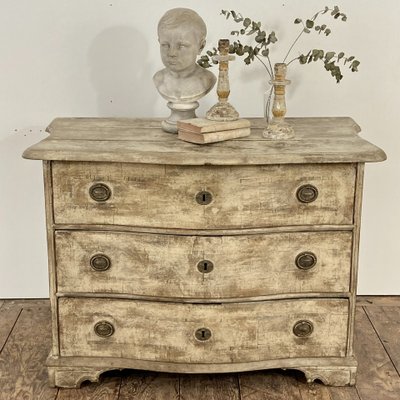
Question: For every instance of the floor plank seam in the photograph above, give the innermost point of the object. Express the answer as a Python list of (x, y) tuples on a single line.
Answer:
[(238, 383), (11, 330), (380, 340), (119, 388)]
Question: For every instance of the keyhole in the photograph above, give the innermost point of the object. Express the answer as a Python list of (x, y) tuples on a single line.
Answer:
[(203, 334), (205, 266), (203, 198)]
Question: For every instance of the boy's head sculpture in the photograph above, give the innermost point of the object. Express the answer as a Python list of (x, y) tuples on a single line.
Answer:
[(182, 37)]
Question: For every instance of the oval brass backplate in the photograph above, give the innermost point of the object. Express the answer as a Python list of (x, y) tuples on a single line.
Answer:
[(306, 260), (202, 334), (307, 193), (205, 266), (104, 329), (100, 192), (100, 262), (303, 328), (203, 198)]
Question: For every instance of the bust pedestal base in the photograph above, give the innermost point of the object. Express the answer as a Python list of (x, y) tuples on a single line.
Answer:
[(178, 111)]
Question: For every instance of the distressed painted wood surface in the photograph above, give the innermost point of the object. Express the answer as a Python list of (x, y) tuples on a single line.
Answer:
[(240, 332), (318, 140), (165, 196), (146, 264), (258, 385)]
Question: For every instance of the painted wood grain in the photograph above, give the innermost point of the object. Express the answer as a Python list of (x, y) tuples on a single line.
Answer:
[(147, 264), (97, 128), (376, 373), (49, 208), (318, 140), (23, 374), (240, 332), (165, 196), (210, 387), (139, 385), (386, 321)]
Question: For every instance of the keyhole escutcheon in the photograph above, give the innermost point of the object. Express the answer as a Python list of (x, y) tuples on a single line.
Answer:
[(202, 334), (205, 266), (203, 198)]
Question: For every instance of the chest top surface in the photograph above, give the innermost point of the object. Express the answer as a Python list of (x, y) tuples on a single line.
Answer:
[(318, 140)]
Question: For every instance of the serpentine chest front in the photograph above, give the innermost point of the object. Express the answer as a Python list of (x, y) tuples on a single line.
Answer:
[(168, 256)]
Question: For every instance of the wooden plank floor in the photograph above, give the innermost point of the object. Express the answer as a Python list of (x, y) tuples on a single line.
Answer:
[(25, 344)]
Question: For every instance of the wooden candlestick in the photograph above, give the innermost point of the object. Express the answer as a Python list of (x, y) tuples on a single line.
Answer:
[(223, 110)]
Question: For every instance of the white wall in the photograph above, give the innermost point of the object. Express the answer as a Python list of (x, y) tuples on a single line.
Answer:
[(97, 57)]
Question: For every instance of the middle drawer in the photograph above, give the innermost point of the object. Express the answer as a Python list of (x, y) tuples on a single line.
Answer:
[(204, 267)]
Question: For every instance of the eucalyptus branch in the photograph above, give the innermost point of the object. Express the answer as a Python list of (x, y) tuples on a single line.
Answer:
[(293, 44), (262, 40), (270, 73)]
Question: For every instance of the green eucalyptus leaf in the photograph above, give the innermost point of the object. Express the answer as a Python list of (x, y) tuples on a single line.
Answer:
[(272, 38), (309, 24), (303, 59), (327, 31), (306, 30), (335, 10), (340, 55), (297, 21), (265, 52), (354, 65), (246, 22), (329, 55)]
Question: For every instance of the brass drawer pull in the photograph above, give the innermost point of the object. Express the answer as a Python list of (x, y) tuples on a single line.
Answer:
[(100, 262), (104, 329), (306, 260), (307, 193), (100, 192), (205, 266), (204, 198), (303, 328), (202, 334)]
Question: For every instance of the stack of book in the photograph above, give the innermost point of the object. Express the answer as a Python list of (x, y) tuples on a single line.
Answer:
[(203, 131)]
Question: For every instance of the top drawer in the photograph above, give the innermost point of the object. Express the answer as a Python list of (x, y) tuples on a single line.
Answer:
[(202, 197)]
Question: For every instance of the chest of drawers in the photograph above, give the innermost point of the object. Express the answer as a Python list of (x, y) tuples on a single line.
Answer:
[(168, 256)]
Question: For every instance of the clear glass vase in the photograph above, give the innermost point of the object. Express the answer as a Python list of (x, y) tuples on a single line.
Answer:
[(277, 128)]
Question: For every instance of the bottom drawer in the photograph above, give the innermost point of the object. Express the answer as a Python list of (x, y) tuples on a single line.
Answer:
[(199, 333)]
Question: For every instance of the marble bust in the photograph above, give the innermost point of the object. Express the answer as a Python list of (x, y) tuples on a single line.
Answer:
[(182, 37)]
